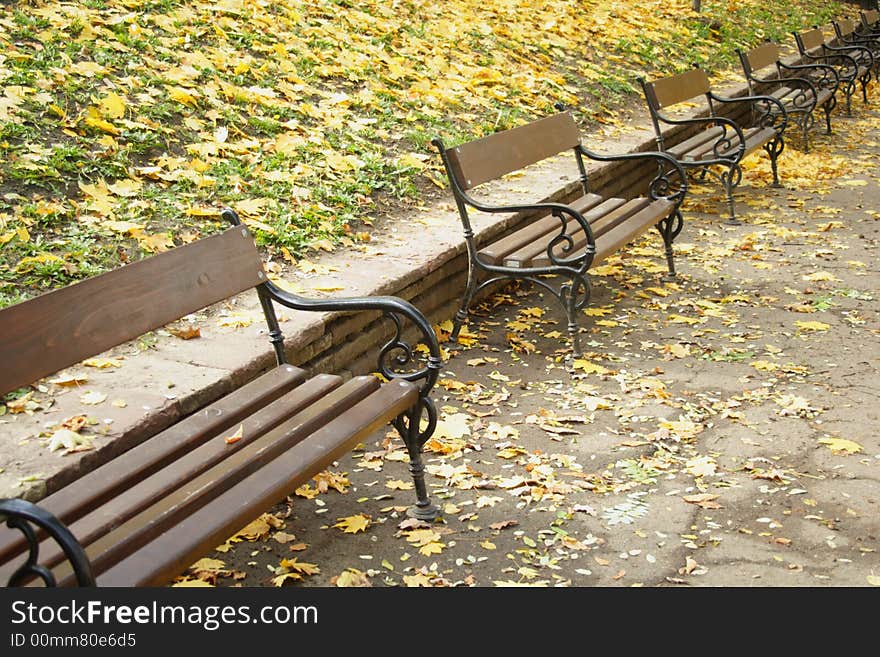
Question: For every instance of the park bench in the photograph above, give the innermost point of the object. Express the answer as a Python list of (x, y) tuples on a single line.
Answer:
[(800, 87), (558, 240), (853, 64), (145, 515), (713, 142), (869, 22), (847, 34)]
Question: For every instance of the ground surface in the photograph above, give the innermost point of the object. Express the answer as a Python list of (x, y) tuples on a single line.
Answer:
[(721, 430)]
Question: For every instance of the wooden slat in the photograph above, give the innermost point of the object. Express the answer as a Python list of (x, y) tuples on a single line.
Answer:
[(755, 138), (491, 157), (171, 552), (764, 55), (695, 143), (83, 495), (204, 489), (43, 335), (812, 39), (679, 88), (626, 232), (142, 494), (495, 252), (612, 217), (535, 254)]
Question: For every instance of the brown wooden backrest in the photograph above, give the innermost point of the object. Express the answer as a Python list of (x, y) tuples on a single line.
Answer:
[(870, 17), (811, 39), (45, 334), (844, 26), (678, 88), (491, 157), (764, 55)]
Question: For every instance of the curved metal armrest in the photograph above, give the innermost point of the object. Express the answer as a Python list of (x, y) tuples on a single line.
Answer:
[(827, 71), (393, 308), (708, 120), (846, 48), (663, 159), (757, 100), (24, 516), (848, 61), (556, 209)]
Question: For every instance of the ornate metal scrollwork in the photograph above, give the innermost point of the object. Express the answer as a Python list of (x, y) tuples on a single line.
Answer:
[(25, 516)]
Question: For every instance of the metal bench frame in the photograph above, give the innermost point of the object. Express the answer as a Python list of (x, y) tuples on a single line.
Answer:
[(364, 405), (487, 159), (801, 87), (853, 63), (715, 144)]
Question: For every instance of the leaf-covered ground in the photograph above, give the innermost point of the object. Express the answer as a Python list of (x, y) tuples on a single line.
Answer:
[(126, 124), (720, 430)]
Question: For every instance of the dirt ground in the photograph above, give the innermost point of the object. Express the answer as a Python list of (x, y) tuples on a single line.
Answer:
[(719, 431)]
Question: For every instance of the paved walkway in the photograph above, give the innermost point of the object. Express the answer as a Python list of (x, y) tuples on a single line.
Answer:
[(719, 431)]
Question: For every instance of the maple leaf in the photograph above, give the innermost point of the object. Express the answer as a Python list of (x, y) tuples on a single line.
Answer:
[(841, 445), (354, 524)]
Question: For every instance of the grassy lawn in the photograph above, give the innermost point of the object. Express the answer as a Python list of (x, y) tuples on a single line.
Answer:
[(126, 124)]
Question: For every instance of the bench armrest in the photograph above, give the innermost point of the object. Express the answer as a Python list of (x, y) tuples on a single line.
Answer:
[(661, 187), (397, 354), (767, 118), (826, 75), (725, 141), (24, 516), (850, 67), (858, 52)]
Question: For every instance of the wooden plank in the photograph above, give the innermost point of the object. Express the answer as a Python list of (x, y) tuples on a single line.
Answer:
[(83, 495), (764, 55), (171, 552), (679, 88), (626, 232), (619, 214), (43, 335), (144, 493), (697, 142), (495, 252), (491, 157), (812, 39), (204, 489)]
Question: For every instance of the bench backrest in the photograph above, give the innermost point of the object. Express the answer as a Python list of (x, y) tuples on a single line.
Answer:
[(45, 334), (870, 17), (677, 88), (810, 39), (844, 27), (757, 58), (491, 157)]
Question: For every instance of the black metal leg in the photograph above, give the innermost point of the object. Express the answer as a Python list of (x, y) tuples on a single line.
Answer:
[(730, 179), (408, 428), (462, 313)]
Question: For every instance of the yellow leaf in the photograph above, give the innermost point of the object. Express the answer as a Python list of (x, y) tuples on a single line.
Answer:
[(92, 397), (352, 577), (192, 583), (589, 367), (234, 437), (820, 276), (606, 322), (431, 548), (69, 380), (354, 524), (112, 106), (812, 326), (102, 125), (764, 365), (874, 580), (303, 567), (182, 96), (841, 445), (155, 243), (102, 363), (284, 578), (127, 187)]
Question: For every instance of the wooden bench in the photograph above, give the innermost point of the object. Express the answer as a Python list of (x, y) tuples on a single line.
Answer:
[(560, 240), (869, 23), (144, 516), (852, 63), (713, 143), (800, 87), (846, 34)]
